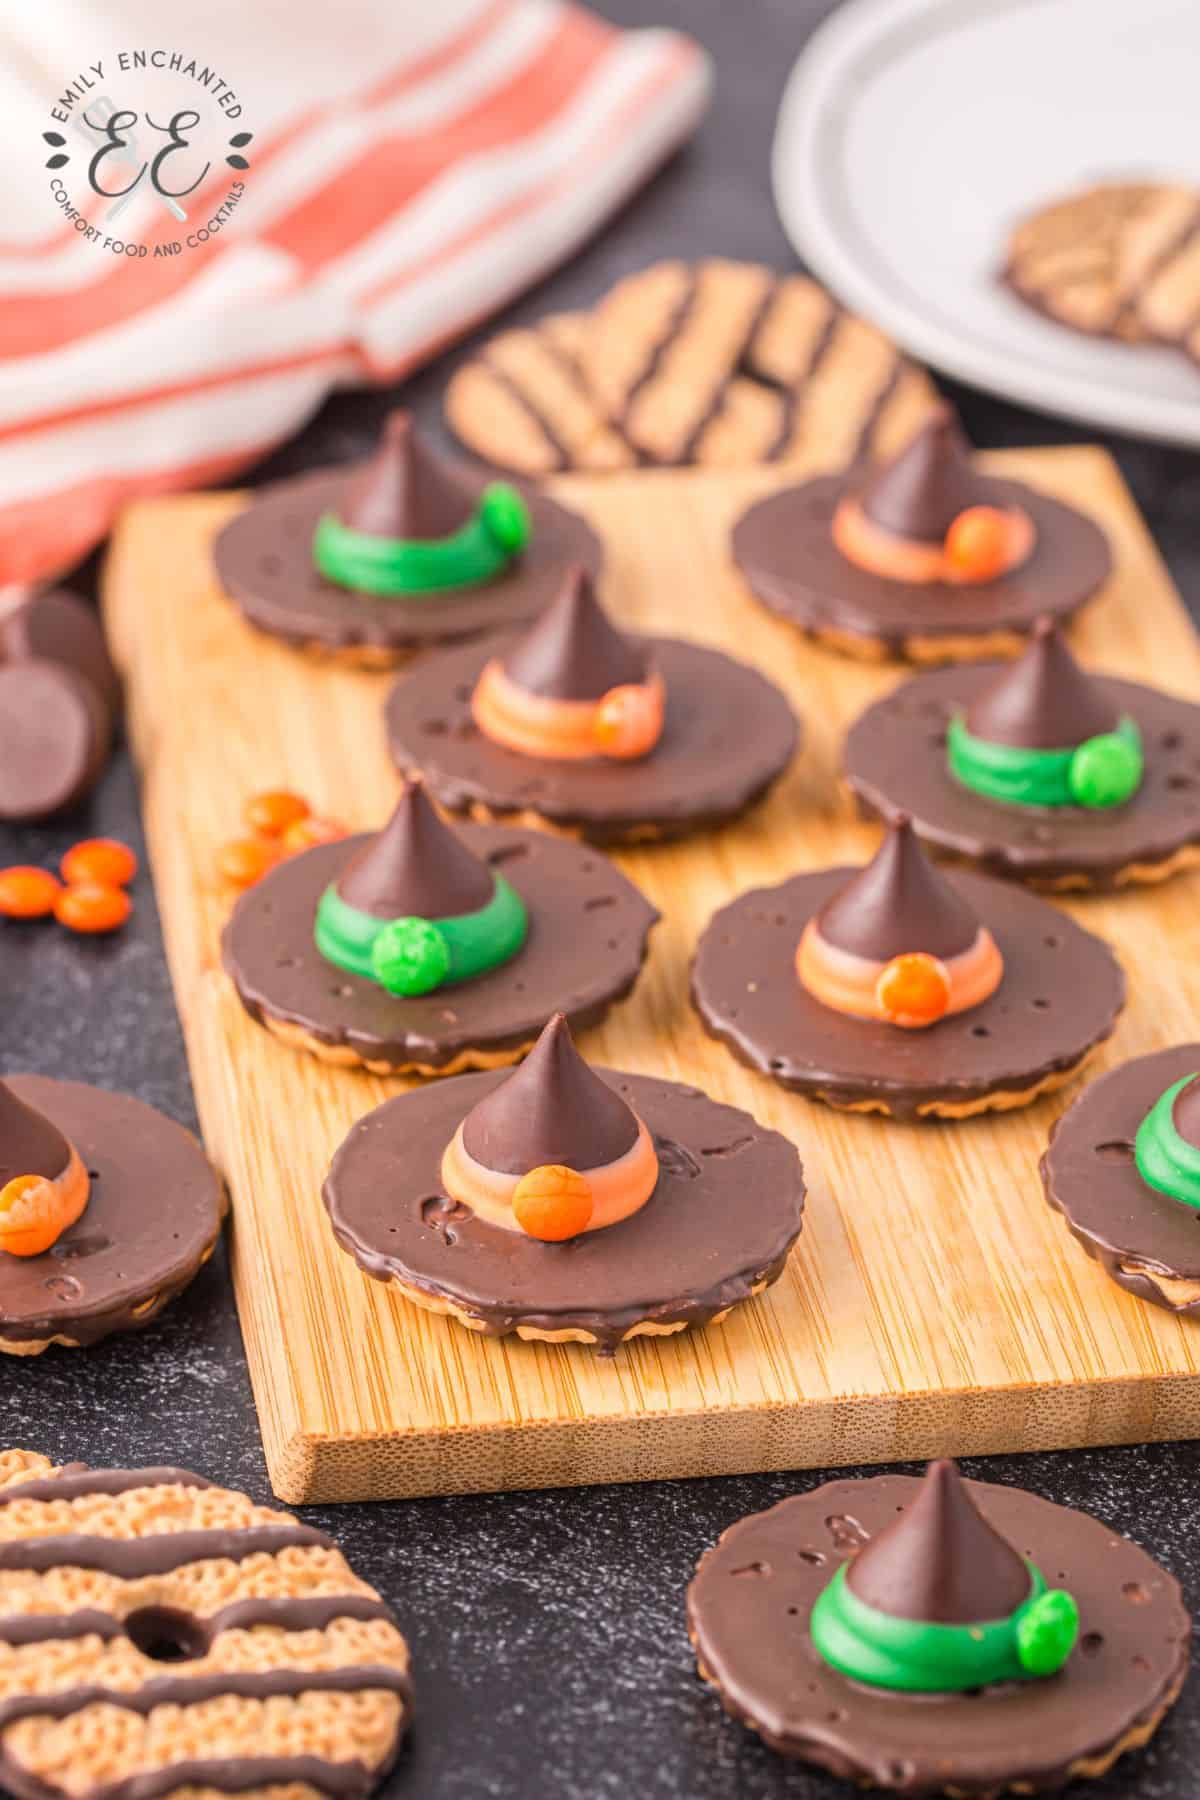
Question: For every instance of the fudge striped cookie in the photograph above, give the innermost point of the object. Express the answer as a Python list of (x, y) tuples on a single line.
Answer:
[(718, 363), (160, 1635)]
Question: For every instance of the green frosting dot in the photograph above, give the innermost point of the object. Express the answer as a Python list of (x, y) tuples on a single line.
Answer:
[(410, 956), (1046, 1632), (1105, 770), (506, 516)]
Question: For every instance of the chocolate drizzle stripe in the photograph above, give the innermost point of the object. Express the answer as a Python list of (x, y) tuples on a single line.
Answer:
[(532, 412), (229, 1775), (675, 326), (711, 410), (158, 1555), (792, 394), (312, 1612), (78, 1483), (222, 1684), (876, 410)]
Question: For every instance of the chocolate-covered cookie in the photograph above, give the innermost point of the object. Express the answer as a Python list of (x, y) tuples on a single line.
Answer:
[(1123, 1169), (928, 559), (902, 990), (566, 1203), (59, 698), (577, 726), (939, 1635), (161, 1634), (428, 950), (1036, 770), (107, 1211), (372, 563)]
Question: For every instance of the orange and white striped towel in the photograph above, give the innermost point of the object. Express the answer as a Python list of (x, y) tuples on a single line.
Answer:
[(412, 166)]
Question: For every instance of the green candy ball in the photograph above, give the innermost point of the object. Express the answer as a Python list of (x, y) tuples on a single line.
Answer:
[(506, 516), (410, 956), (1104, 771), (1046, 1633)]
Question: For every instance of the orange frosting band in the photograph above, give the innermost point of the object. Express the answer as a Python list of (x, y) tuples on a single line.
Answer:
[(619, 1188), (535, 725), (847, 983), (883, 553), (34, 1220)]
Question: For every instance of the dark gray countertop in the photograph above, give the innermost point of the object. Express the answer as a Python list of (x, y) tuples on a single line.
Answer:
[(547, 1629)]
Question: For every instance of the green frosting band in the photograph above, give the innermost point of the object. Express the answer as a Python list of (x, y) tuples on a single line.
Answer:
[(415, 956), (1103, 771), (1164, 1159), (480, 550), (904, 1654)]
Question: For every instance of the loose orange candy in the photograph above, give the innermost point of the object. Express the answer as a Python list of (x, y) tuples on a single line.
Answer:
[(100, 859), (273, 812), (92, 907), (243, 861), (32, 1215), (27, 893), (552, 1203), (978, 544), (629, 720), (913, 990), (302, 834)]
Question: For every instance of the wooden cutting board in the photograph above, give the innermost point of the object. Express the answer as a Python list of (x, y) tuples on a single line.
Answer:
[(934, 1304)]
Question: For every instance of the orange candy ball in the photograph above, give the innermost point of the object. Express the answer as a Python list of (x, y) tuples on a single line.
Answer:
[(243, 861), (272, 813), (629, 720), (913, 990), (27, 893), (30, 1220), (102, 860), (302, 834), (92, 907), (978, 544), (552, 1203)]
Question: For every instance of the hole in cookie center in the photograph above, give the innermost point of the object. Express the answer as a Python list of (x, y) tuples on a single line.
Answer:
[(165, 1635)]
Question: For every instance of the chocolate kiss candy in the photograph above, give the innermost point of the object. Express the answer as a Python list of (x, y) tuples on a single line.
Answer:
[(55, 732), (1043, 701), (940, 1561), (897, 904), (921, 493), (416, 867), (29, 1143), (1185, 1114), (404, 490), (56, 626), (574, 652), (553, 1109)]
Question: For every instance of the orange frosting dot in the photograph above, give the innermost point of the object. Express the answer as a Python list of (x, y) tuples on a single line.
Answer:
[(913, 989), (979, 544), (629, 720), (552, 1203)]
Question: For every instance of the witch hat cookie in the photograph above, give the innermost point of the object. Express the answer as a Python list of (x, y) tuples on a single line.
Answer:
[(565, 1202), (405, 550), (1037, 769), (926, 558), (826, 981), (592, 730), (938, 1634), (426, 949), (82, 1175), (1123, 1168)]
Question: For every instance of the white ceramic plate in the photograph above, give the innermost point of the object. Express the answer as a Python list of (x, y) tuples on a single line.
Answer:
[(914, 133)]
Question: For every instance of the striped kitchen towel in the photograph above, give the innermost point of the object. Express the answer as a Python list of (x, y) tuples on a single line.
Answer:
[(217, 211)]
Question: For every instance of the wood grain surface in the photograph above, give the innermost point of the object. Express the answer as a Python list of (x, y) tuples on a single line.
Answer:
[(933, 1305)]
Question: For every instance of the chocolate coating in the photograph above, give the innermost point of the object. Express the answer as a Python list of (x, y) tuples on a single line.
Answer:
[(784, 548), (1090, 1177), (416, 867), (752, 1596), (263, 560), (895, 761), (56, 626), (1185, 1114), (30, 1143), (152, 1218), (920, 492), (693, 1250), (552, 1109), (404, 490), (574, 652), (1061, 994), (1043, 701), (897, 903), (55, 732), (729, 734), (940, 1561), (586, 945)]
